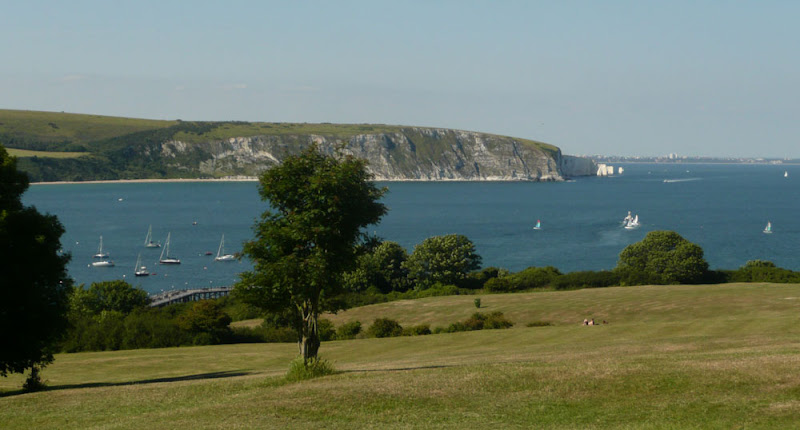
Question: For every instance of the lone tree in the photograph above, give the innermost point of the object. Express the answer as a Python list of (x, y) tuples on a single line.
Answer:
[(662, 257), (443, 259), (33, 278), (308, 238)]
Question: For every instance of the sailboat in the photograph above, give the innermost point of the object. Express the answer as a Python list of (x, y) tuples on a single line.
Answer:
[(100, 253), (786, 174), (103, 263), (148, 241), (633, 223), (140, 270), (768, 228), (538, 225), (221, 255), (165, 258)]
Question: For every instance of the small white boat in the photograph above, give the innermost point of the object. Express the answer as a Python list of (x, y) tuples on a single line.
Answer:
[(100, 253), (221, 255), (103, 263), (165, 258), (538, 225), (786, 174), (148, 241), (140, 270), (632, 223), (768, 228)]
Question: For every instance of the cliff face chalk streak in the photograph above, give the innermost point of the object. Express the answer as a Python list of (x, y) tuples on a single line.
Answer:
[(423, 154)]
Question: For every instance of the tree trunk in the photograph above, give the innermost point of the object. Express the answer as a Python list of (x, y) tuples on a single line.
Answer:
[(309, 340)]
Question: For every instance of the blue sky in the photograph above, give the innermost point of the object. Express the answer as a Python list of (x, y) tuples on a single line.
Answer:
[(719, 78)]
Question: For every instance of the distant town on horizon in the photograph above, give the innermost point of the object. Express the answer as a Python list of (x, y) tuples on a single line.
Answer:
[(676, 158)]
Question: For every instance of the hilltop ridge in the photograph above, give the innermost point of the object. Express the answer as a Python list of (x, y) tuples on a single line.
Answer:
[(93, 147)]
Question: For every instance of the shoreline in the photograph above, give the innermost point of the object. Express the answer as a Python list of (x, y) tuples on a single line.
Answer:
[(144, 181), (254, 179)]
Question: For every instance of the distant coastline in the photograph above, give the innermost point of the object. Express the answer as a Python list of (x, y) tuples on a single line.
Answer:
[(142, 181)]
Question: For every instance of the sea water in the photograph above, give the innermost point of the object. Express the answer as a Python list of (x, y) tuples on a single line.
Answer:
[(722, 208)]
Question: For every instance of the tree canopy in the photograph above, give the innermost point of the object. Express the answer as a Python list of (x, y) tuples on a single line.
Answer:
[(33, 277), (308, 237), (443, 259), (114, 296), (663, 257)]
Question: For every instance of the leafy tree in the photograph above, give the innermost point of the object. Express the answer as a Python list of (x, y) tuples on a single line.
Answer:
[(443, 259), (117, 296), (662, 257), (308, 238), (33, 278), (381, 268), (206, 320)]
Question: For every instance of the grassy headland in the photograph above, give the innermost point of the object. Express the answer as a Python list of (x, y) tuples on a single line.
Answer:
[(707, 356), (126, 148)]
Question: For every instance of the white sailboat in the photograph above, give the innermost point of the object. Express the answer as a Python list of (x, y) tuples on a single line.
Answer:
[(100, 253), (140, 270), (632, 223), (165, 258), (768, 228), (628, 218), (103, 263), (148, 241), (786, 174), (221, 255), (538, 225)]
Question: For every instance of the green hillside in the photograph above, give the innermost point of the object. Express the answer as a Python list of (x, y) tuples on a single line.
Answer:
[(718, 356), (127, 148)]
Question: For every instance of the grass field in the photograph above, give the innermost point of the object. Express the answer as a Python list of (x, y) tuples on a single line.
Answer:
[(49, 154), (78, 128), (671, 357)]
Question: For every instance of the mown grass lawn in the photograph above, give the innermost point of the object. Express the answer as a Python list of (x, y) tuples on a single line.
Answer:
[(723, 356)]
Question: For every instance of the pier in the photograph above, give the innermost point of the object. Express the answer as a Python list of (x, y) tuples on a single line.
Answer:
[(188, 295)]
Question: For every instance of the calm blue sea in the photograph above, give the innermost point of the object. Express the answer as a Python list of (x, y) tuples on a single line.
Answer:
[(722, 208)]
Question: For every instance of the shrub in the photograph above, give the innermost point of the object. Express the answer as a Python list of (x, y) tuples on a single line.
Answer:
[(763, 271), (477, 280), (438, 290), (325, 329), (385, 327), (534, 277), (479, 321), (206, 320), (263, 334), (538, 324), (497, 285), (152, 329), (349, 330), (477, 303), (587, 279), (417, 330), (314, 368)]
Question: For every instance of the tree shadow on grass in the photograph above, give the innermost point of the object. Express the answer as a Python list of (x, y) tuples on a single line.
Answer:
[(398, 369), (199, 376)]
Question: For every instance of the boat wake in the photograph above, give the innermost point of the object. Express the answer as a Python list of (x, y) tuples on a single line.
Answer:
[(668, 181)]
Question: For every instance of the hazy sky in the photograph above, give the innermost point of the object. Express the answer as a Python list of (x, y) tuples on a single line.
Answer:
[(639, 77)]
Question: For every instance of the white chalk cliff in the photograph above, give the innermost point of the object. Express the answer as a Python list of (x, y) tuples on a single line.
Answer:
[(412, 153)]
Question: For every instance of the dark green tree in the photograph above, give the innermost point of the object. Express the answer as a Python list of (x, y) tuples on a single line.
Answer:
[(442, 259), (33, 279), (308, 238), (206, 320), (110, 296), (662, 257), (382, 268)]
